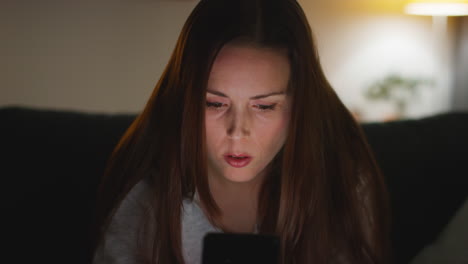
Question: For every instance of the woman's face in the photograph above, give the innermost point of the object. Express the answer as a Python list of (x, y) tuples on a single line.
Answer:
[(247, 111)]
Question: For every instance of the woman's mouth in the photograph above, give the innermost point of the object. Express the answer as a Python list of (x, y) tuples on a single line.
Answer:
[(237, 161)]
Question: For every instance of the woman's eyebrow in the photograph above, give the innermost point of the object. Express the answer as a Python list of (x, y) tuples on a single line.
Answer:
[(252, 98)]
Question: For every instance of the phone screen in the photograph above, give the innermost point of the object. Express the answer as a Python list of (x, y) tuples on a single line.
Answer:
[(224, 248)]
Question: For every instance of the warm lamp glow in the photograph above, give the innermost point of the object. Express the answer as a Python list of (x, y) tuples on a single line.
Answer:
[(437, 8)]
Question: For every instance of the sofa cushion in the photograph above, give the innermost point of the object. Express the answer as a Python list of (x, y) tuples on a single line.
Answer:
[(424, 163), (52, 163)]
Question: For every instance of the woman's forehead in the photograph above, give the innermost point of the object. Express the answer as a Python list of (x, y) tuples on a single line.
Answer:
[(240, 68), (235, 53)]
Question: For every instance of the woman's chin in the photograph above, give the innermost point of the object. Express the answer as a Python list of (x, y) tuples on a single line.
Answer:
[(239, 175)]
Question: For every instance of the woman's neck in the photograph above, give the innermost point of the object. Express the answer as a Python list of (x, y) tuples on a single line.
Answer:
[(238, 204)]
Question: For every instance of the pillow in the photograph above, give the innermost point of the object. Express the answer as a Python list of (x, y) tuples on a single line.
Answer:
[(452, 244)]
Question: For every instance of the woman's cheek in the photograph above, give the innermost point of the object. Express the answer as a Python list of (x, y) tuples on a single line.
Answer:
[(275, 126), (210, 124), (269, 117), (214, 127)]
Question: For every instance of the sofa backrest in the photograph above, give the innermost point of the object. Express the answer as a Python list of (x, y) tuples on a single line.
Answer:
[(424, 163)]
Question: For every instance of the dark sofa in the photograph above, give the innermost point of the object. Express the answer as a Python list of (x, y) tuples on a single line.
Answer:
[(51, 162)]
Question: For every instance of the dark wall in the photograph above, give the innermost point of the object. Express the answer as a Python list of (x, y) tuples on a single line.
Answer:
[(460, 96)]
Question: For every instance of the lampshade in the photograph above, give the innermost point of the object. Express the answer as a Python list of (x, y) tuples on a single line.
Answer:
[(437, 7)]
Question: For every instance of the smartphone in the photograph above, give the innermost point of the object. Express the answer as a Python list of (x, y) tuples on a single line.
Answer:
[(224, 248)]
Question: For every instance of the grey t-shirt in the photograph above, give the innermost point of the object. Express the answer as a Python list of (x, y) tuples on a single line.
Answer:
[(119, 243)]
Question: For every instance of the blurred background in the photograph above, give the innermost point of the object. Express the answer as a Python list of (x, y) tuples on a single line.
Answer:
[(385, 60)]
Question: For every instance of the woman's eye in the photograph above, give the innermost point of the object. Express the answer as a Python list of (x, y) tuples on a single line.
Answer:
[(265, 107), (214, 104), (218, 106)]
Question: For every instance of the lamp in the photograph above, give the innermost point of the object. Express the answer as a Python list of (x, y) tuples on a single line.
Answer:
[(440, 10), (437, 7)]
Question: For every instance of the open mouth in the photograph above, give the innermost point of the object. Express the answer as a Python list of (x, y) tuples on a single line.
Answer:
[(238, 161), (236, 157)]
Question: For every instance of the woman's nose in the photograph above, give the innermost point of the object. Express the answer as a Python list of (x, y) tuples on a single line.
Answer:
[(238, 125)]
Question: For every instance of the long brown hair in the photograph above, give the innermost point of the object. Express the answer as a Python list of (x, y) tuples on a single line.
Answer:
[(325, 195)]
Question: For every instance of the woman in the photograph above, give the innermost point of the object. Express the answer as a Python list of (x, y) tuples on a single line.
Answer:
[(243, 133)]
